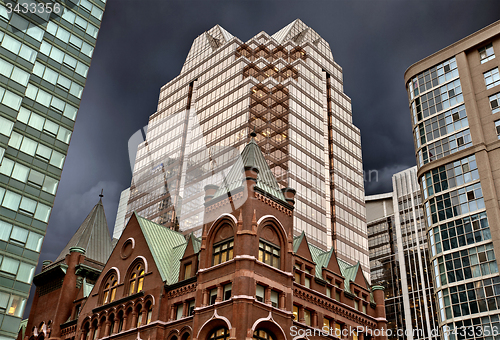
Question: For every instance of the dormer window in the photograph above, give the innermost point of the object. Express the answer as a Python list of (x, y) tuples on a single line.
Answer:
[(269, 253), (223, 251)]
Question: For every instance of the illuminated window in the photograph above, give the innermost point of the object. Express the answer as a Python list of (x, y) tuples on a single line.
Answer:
[(136, 281), (326, 323), (219, 334), (261, 334), (295, 313), (269, 253), (109, 293), (223, 251), (150, 314)]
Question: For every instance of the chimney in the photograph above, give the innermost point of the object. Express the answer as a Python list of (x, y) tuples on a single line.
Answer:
[(210, 190), (289, 195)]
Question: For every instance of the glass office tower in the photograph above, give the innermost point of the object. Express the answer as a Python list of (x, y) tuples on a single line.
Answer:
[(399, 258), (288, 89), (453, 96), (44, 61)]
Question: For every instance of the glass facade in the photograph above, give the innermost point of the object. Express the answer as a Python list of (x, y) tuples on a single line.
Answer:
[(44, 61), (462, 255), (399, 257), (288, 89)]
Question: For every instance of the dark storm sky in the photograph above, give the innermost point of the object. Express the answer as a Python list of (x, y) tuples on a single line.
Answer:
[(142, 45)]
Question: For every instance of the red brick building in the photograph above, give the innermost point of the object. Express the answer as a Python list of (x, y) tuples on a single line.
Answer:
[(247, 277)]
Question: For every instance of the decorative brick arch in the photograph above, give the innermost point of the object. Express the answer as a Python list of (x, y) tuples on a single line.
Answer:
[(268, 324), (223, 228), (216, 321), (270, 229)]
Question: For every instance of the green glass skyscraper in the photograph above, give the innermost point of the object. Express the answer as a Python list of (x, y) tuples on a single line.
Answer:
[(44, 61)]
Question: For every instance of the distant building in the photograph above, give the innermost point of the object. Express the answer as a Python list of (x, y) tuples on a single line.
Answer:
[(246, 277), (44, 62), (120, 214), (289, 90), (399, 257), (63, 285), (454, 103)]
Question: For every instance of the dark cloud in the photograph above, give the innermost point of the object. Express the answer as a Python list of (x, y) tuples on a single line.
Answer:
[(142, 45)]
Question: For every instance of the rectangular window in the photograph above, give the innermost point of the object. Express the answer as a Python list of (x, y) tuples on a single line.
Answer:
[(213, 296), (274, 298), (329, 291), (326, 323), (295, 313), (227, 291), (486, 53), (494, 103), (187, 271), (223, 251), (260, 293), (356, 304), (364, 308), (269, 253), (492, 78), (307, 317), (497, 128), (179, 311), (191, 307), (307, 282)]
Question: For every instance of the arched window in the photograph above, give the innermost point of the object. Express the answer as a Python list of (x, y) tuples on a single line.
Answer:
[(219, 334), (109, 292), (85, 331), (112, 321), (94, 330), (261, 334), (186, 336), (139, 316), (149, 308), (136, 281), (120, 321)]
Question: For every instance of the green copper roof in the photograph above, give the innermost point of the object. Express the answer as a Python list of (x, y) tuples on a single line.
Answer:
[(251, 156), (166, 246), (93, 236)]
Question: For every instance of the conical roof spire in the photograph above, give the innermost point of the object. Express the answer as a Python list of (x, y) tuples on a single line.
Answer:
[(92, 235)]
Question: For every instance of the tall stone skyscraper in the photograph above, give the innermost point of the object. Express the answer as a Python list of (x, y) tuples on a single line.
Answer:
[(453, 97), (44, 61), (288, 89)]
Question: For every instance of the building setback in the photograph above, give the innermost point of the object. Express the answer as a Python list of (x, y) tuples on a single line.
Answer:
[(453, 97), (289, 90), (44, 61), (399, 257), (246, 277)]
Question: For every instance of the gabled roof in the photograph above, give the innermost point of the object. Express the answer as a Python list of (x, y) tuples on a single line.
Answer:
[(93, 236), (251, 156), (166, 246), (297, 32)]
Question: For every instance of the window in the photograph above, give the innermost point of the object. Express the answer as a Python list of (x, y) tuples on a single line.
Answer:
[(269, 253), (355, 335), (492, 78), (223, 251), (307, 317), (179, 311), (326, 323), (109, 293), (495, 107), (363, 308), (213, 296), (261, 334), (219, 334), (497, 128), (486, 53), (191, 307), (187, 271), (274, 298), (297, 273), (136, 281), (260, 293), (338, 330), (227, 291), (356, 304), (295, 313)]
